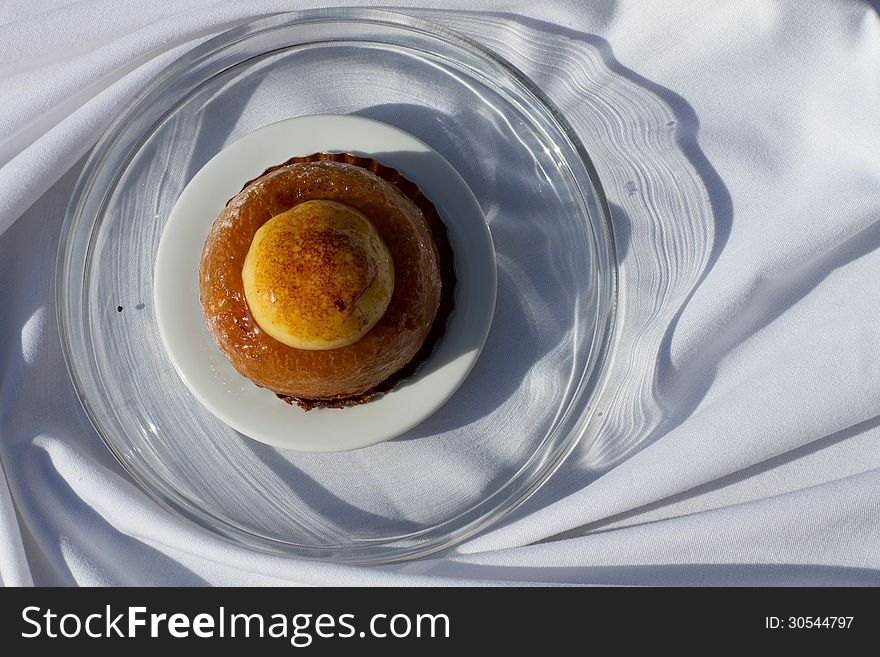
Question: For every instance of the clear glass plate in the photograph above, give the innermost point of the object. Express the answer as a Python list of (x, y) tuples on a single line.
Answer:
[(522, 408)]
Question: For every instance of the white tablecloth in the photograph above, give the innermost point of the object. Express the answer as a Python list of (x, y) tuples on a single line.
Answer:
[(740, 440)]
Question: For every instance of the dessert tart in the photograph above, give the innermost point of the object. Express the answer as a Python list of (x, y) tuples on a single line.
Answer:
[(328, 279)]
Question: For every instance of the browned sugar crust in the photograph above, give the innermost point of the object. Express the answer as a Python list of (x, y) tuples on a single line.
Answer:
[(320, 286)]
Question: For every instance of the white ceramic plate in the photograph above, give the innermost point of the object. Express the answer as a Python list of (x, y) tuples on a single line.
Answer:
[(257, 412)]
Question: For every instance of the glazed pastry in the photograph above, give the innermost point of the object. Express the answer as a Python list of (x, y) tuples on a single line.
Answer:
[(328, 279)]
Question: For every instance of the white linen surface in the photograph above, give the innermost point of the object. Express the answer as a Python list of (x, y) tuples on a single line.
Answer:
[(740, 439)]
